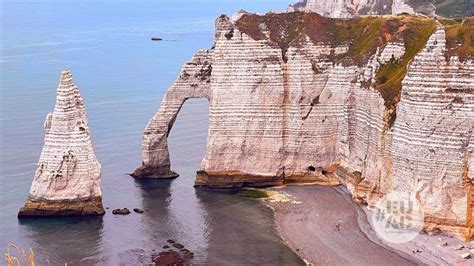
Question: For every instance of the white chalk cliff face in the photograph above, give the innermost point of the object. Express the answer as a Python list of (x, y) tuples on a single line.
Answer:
[(67, 179), (311, 111), (352, 8)]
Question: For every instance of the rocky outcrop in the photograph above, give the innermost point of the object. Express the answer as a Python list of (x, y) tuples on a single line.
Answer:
[(352, 8), (194, 82), (431, 146), (400, 6), (67, 179), (377, 104)]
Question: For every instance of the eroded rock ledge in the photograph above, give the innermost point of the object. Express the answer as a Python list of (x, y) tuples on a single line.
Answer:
[(79, 207), (375, 103), (67, 178)]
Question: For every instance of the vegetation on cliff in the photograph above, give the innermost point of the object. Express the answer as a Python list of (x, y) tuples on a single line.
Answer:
[(253, 193), (362, 36), (446, 8), (460, 38), (389, 76)]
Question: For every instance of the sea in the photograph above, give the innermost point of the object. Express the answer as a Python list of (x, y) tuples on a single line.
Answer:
[(122, 76)]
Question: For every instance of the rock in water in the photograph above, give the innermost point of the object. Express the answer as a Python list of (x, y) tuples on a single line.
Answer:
[(67, 179), (123, 211), (137, 210)]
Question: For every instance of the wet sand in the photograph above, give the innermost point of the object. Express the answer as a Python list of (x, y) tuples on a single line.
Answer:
[(331, 235), (325, 227)]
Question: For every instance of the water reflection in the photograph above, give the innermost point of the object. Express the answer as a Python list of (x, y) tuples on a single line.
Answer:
[(75, 240), (155, 194), (242, 231), (173, 212)]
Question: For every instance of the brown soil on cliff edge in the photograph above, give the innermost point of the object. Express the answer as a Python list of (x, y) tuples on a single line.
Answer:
[(446, 8), (460, 38), (363, 36)]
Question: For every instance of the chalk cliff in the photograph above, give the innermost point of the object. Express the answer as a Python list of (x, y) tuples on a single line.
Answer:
[(67, 179), (374, 103), (352, 8)]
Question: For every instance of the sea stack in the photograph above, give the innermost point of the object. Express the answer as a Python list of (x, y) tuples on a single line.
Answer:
[(67, 179)]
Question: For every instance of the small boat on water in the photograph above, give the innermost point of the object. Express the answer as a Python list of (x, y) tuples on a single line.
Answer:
[(156, 39)]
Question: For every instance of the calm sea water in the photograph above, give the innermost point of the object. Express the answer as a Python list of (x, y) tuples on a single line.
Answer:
[(122, 76)]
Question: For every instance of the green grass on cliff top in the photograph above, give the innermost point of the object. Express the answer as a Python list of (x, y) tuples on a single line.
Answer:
[(445, 8), (362, 35), (389, 76), (460, 38)]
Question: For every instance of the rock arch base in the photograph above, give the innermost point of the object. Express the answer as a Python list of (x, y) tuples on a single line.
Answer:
[(193, 82)]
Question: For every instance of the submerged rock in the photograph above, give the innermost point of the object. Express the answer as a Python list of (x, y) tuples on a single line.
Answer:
[(252, 193), (178, 245), (173, 257), (67, 178), (168, 258), (137, 210)]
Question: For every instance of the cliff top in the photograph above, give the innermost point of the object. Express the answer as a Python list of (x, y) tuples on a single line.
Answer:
[(460, 37), (362, 36), (433, 8), (446, 8)]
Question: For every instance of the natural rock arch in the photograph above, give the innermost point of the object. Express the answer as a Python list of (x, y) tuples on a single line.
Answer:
[(193, 82), (282, 111)]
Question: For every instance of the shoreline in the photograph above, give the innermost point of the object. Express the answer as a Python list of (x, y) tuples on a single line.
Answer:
[(322, 225)]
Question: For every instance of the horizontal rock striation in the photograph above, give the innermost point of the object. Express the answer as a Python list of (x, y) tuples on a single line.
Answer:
[(351, 8), (400, 6), (432, 139), (354, 8), (194, 82), (67, 179), (80, 207), (377, 104)]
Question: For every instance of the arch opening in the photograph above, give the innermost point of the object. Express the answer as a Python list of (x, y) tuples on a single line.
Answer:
[(187, 137)]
